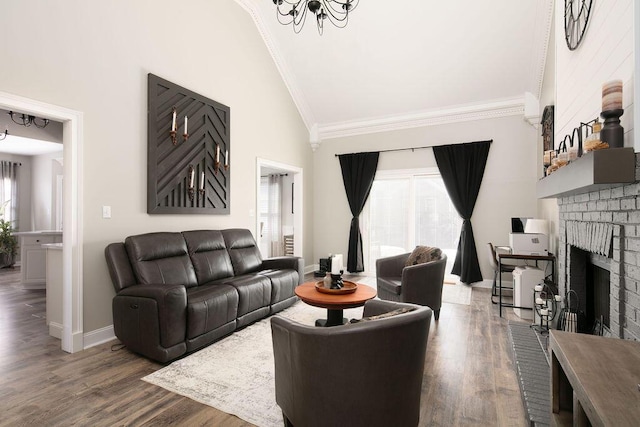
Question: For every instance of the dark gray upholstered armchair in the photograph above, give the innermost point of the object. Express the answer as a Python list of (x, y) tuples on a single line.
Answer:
[(418, 284), (360, 374)]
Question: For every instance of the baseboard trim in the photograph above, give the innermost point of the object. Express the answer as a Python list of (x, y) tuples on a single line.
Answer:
[(311, 268), (487, 283), (99, 336), (55, 330)]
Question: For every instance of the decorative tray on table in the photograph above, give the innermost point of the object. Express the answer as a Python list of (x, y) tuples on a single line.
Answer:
[(347, 288)]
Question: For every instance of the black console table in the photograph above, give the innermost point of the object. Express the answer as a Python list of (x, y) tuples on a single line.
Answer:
[(549, 258)]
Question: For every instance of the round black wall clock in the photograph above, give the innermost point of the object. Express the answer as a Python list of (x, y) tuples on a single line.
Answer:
[(576, 18)]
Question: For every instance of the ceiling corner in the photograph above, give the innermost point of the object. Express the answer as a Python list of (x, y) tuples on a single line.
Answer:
[(286, 74), (544, 19)]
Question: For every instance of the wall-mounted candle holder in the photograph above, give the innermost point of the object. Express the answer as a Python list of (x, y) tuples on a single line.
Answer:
[(216, 160), (173, 132), (203, 181), (191, 190), (185, 135)]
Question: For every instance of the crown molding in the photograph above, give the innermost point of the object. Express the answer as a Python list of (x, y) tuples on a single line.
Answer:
[(286, 74), (463, 113), (542, 34)]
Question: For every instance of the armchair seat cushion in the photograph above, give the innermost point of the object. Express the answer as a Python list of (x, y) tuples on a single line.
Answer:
[(209, 307), (390, 285)]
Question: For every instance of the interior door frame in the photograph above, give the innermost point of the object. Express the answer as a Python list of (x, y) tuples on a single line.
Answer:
[(72, 248), (297, 201)]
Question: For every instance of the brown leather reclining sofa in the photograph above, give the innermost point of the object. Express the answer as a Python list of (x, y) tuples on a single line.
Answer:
[(178, 292)]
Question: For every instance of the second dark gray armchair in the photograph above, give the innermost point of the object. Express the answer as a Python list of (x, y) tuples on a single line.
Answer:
[(418, 284), (366, 374)]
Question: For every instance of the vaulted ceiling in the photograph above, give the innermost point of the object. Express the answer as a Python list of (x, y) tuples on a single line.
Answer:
[(403, 63)]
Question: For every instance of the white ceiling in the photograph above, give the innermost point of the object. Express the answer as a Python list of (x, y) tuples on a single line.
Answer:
[(28, 147), (401, 61)]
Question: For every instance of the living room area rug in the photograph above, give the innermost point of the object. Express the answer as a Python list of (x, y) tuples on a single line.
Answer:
[(236, 374)]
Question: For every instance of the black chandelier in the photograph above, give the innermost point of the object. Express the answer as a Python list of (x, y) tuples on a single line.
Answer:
[(28, 120), (295, 12)]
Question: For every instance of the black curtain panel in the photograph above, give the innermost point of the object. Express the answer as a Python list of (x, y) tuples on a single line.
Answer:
[(358, 171), (462, 169)]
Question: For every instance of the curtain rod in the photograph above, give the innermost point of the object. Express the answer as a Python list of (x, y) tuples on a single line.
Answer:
[(419, 148)]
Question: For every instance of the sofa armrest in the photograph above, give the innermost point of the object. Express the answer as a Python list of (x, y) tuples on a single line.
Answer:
[(285, 262), (391, 266), (171, 303), (422, 283)]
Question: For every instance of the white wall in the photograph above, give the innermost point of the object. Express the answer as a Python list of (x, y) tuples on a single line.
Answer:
[(548, 208), (44, 169), (508, 187), (606, 53), (96, 61)]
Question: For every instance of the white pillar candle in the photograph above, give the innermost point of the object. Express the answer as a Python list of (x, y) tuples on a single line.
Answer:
[(226, 158), (539, 301), (202, 180), (336, 264), (191, 176), (558, 298), (186, 121), (612, 95), (538, 288), (544, 312), (173, 121)]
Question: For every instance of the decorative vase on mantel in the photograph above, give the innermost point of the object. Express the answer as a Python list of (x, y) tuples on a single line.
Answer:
[(612, 133)]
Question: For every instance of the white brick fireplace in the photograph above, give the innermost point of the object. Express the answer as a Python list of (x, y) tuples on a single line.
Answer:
[(605, 223)]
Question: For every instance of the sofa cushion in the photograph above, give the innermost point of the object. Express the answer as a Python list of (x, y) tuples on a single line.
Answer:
[(208, 254), (161, 258), (254, 292), (245, 255), (209, 307), (423, 254), (283, 283), (391, 285)]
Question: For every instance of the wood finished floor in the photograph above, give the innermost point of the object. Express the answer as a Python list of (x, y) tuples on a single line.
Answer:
[(469, 375)]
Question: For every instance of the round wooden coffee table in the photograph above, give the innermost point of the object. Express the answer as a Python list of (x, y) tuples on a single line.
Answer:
[(334, 303)]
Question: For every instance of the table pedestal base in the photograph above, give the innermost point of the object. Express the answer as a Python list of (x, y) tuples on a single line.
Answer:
[(334, 318)]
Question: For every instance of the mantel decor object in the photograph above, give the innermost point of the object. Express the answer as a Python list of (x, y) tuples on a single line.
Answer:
[(612, 133)]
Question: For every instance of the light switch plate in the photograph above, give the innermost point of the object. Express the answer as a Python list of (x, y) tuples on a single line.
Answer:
[(106, 212)]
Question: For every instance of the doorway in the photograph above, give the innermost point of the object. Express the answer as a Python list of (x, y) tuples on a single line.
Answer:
[(278, 209), (72, 320)]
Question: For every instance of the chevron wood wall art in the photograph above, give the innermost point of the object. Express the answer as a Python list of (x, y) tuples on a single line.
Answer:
[(177, 162)]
